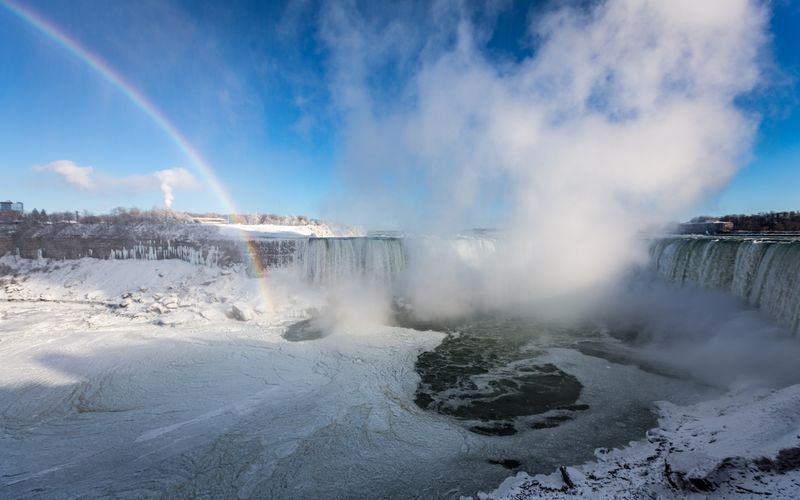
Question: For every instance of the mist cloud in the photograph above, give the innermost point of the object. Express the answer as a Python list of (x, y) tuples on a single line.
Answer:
[(87, 179), (623, 117)]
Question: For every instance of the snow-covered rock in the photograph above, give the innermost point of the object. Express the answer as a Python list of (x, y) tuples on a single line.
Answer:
[(213, 315), (158, 308), (242, 311)]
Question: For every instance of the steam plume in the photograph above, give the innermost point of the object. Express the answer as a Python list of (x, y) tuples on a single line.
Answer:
[(623, 116), (173, 178)]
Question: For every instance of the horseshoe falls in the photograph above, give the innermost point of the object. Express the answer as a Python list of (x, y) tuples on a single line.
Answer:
[(765, 272)]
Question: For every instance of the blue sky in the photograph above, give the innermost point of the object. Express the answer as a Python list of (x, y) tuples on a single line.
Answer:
[(247, 84)]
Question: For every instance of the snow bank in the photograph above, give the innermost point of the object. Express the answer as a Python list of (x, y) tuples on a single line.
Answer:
[(164, 292), (745, 443), (320, 230)]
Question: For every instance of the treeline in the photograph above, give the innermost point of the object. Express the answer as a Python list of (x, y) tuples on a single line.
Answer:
[(761, 222), (118, 215), (134, 215), (38, 216)]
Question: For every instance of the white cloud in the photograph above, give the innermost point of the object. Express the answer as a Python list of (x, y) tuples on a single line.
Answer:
[(86, 178), (73, 175)]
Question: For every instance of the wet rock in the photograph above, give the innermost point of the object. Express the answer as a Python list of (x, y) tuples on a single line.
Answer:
[(788, 459)]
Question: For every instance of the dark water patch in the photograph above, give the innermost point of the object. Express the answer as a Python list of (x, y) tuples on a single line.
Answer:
[(549, 422), (406, 318), (308, 329), (578, 407), (513, 394), (494, 430), (507, 463), (487, 374)]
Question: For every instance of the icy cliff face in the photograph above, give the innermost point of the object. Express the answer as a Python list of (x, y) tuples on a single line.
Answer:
[(764, 272), (149, 250)]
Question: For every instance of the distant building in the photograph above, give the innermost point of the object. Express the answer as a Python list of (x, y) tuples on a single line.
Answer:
[(11, 206)]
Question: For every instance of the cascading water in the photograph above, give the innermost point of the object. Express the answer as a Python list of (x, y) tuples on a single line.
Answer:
[(379, 260), (327, 261), (764, 272)]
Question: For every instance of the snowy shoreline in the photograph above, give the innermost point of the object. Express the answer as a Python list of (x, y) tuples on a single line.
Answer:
[(744, 443)]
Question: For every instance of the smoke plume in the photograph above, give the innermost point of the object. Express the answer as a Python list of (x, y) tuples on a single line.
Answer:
[(622, 115)]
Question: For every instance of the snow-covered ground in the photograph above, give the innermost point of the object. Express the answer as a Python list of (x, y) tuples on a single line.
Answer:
[(745, 444), (136, 379), (163, 378), (320, 230)]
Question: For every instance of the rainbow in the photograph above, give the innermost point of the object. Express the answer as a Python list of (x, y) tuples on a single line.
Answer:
[(141, 101)]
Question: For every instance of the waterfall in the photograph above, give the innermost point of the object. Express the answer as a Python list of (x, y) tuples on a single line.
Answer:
[(764, 272), (328, 261), (381, 260)]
